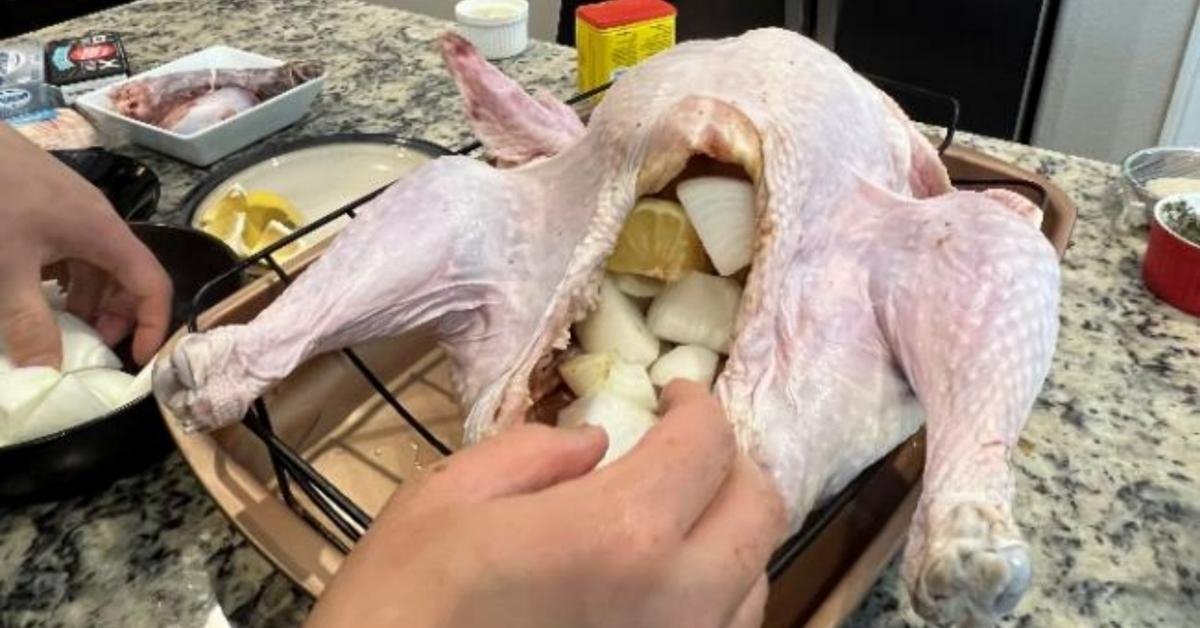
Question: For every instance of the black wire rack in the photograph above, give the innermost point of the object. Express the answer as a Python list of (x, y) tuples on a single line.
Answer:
[(294, 475)]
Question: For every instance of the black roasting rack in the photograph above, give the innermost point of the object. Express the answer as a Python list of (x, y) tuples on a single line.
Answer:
[(293, 473)]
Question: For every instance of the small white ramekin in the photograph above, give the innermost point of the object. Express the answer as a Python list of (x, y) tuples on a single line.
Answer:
[(498, 28)]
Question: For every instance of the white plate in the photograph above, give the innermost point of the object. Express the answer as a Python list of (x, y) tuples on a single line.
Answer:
[(212, 143), (320, 179)]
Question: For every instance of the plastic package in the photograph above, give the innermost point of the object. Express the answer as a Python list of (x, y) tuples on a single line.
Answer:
[(82, 64), (18, 100), (35, 108), (21, 62)]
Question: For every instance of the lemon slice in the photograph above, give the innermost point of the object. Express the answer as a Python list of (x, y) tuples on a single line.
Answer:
[(658, 241), (274, 232), (232, 231), (251, 221), (220, 217), (265, 206)]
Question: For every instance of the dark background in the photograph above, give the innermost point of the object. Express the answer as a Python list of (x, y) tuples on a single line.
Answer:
[(982, 53), (22, 16)]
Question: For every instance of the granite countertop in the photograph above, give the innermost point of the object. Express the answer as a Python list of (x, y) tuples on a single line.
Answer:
[(1108, 470)]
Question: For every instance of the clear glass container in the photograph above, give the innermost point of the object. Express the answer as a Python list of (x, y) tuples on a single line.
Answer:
[(1150, 174)]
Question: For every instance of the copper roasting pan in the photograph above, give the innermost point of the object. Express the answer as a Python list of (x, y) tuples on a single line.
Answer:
[(333, 419)]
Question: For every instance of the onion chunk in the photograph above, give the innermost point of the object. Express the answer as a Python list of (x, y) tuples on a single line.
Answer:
[(35, 401), (691, 362), (592, 373), (617, 327), (637, 286), (722, 211), (698, 310), (624, 422)]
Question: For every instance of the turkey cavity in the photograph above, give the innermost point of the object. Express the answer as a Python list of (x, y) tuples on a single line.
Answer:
[(667, 306)]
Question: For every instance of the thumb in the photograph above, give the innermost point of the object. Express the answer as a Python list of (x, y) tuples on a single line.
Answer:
[(26, 322), (524, 459)]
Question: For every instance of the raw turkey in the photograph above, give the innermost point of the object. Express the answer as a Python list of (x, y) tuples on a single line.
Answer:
[(190, 101), (878, 297)]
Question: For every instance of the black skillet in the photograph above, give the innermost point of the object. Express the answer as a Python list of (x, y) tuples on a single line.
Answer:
[(131, 186), (91, 455)]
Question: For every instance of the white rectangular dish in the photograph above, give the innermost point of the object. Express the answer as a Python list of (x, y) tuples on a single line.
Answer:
[(214, 142)]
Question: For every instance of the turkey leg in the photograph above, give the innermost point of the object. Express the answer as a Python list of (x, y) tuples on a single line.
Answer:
[(971, 313)]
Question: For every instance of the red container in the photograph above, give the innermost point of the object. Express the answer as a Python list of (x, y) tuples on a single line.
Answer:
[(1172, 265)]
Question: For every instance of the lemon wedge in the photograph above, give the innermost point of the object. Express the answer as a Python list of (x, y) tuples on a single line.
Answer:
[(264, 207), (220, 217), (658, 241), (231, 231), (274, 232), (251, 221)]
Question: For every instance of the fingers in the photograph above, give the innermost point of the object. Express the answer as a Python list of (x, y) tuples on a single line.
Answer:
[(751, 611), (114, 309), (84, 290), (681, 391), (142, 277), (525, 459), (737, 533), (115, 316), (670, 477), (26, 322), (748, 506), (104, 242), (113, 328), (153, 317)]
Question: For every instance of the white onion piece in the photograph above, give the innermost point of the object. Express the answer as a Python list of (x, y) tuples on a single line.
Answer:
[(67, 404), (699, 309), (22, 389), (586, 373), (624, 422), (55, 297), (637, 286), (37, 401), (691, 362), (82, 346), (142, 385), (617, 327), (110, 386), (591, 373), (722, 211), (5, 364)]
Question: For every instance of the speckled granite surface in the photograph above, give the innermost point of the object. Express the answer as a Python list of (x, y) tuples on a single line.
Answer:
[(1109, 468)]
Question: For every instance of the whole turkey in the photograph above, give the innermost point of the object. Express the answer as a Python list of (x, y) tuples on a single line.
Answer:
[(878, 296)]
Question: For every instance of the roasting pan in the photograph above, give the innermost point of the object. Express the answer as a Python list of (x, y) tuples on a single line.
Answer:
[(328, 419)]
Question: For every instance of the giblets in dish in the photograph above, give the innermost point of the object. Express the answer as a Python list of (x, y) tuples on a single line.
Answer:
[(877, 297)]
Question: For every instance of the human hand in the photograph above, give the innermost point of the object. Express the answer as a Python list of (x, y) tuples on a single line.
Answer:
[(50, 214), (514, 532)]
